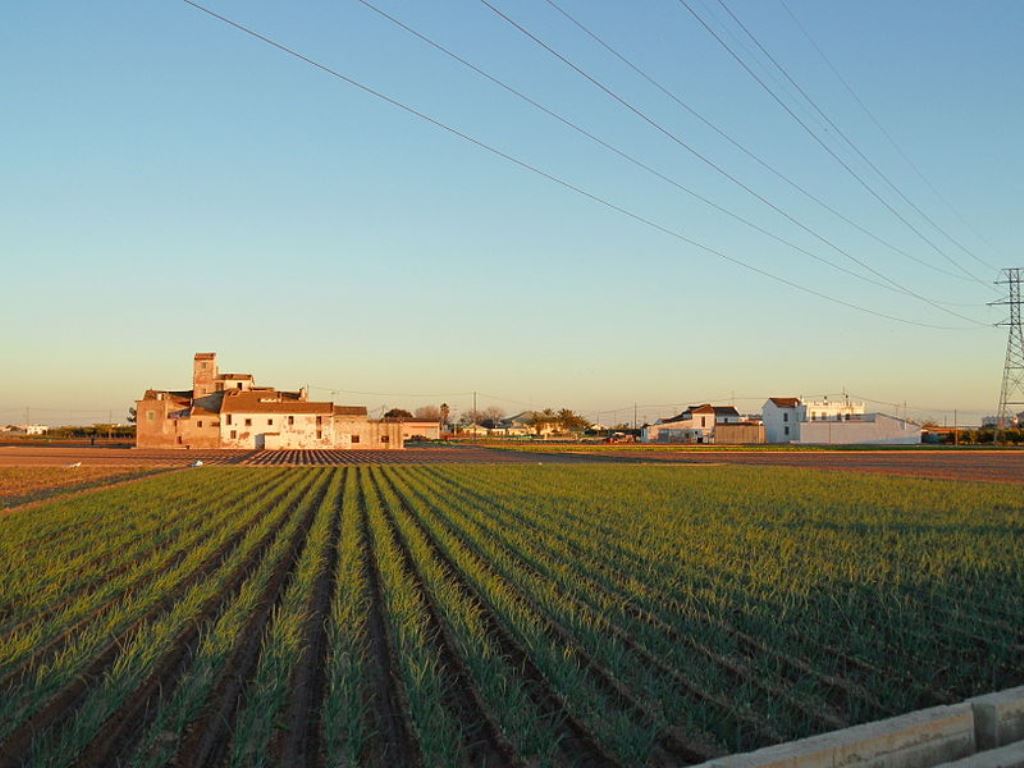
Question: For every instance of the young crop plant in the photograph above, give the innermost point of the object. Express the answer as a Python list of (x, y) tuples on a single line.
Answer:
[(502, 694), (344, 727), (263, 712), (563, 666), (437, 733), (137, 656), (219, 642), (79, 603)]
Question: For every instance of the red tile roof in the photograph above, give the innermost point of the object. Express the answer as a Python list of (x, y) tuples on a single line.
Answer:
[(350, 410), (786, 402), (260, 402)]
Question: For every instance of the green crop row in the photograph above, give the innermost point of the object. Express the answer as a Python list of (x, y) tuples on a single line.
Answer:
[(505, 614)]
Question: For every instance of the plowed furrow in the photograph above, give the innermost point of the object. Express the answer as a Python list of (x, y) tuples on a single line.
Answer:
[(207, 742), (578, 745), (486, 744)]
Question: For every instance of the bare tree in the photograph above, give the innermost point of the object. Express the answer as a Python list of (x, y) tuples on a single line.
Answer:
[(428, 413)]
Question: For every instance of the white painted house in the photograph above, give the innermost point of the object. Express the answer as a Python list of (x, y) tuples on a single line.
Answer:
[(694, 425), (781, 419), (833, 422)]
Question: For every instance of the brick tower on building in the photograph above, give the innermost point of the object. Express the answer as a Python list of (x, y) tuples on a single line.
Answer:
[(204, 374)]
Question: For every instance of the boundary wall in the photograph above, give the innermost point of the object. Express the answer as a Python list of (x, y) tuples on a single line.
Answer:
[(983, 732)]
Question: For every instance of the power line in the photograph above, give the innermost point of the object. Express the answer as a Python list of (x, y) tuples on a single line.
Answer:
[(886, 283), (847, 139), (342, 391), (825, 146), (557, 180), (890, 139), (710, 163), (745, 150)]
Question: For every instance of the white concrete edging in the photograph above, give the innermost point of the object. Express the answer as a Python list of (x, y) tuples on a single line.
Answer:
[(929, 737)]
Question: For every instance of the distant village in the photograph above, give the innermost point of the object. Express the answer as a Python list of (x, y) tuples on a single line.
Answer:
[(230, 411)]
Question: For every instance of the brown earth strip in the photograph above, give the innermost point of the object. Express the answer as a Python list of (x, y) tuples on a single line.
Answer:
[(38, 498), (298, 744), (400, 747), (208, 737), (799, 667), (673, 746), (736, 668), (578, 745), (16, 747), (123, 729), (99, 576), (486, 744), (55, 645)]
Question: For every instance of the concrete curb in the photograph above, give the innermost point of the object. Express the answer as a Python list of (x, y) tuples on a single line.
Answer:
[(929, 737)]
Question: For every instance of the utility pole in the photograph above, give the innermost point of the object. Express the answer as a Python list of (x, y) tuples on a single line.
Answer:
[(634, 415), (956, 430), (1011, 395)]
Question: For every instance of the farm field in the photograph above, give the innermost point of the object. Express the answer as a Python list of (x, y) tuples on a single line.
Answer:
[(21, 485), (1004, 465), (513, 614)]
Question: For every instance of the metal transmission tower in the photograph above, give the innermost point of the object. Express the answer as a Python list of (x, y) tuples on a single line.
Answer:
[(1011, 397)]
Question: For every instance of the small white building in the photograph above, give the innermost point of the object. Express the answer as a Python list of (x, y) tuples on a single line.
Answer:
[(784, 416), (694, 425), (833, 422), (30, 429), (781, 419)]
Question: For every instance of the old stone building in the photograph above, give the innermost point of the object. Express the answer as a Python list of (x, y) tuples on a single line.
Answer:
[(228, 410)]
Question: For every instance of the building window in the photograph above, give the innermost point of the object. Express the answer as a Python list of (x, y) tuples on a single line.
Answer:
[(248, 422), (229, 420), (355, 439), (291, 420), (150, 415), (785, 417), (319, 420), (270, 422), (239, 385), (199, 423), (234, 434), (384, 438), (786, 430), (703, 421), (319, 434)]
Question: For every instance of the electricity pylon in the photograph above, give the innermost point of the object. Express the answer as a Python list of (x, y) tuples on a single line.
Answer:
[(1011, 396)]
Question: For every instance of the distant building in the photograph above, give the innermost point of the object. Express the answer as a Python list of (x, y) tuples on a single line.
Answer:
[(28, 429), (416, 429), (782, 419), (833, 422), (522, 424), (697, 424), (229, 411)]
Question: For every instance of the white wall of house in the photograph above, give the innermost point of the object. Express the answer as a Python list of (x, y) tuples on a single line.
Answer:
[(781, 424), (865, 429), (254, 431)]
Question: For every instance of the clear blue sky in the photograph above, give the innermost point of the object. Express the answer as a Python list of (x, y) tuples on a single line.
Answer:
[(170, 185)]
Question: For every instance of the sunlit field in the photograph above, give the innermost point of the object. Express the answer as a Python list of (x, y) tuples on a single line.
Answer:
[(496, 615)]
